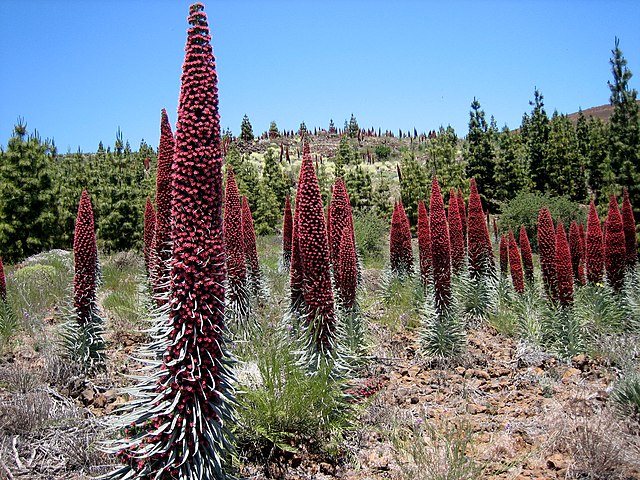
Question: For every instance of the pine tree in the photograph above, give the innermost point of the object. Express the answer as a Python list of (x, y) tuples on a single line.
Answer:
[(511, 173), (354, 129), (27, 206), (275, 178), (481, 154), (273, 130), (414, 185), (245, 172), (624, 128), (332, 127), (597, 163), (535, 133), (246, 130), (358, 181)]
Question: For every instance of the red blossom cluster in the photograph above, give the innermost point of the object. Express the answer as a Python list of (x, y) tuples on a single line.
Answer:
[(547, 251), (340, 219), (424, 243), (575, 247), (400, 251), (234, 238), (563, 268), (594, 248), (3, 283), (250, 248), (517, 276), (504, 255), (629, 226), (527, 257), (463, 218), (440, 247), (287, 231), (479, 243), (456, 233), (160, 253), (85, 254), (148, 231), (347, 272), (614, 246), (296, 277), (369, 387)]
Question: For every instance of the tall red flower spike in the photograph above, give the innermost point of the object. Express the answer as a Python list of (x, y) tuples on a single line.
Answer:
[(182, 430), (594, 246), (504, 255), (440, 248), (3, 283), (347, 273), (583, 243), (149, 231), (234, 240), (400, 252), (564, 270), (424, 243), (480, 251), (315, 259), (456, 235), (287, 232), (463, 217), (250, 249), (161, 248), (340, 219), (629, 226), (614, 246), (527, 257), (547, 250), (576, 253), (515, 264), (85, 256)]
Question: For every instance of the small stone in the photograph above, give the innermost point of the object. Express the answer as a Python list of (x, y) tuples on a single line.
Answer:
[(100, 401), (88, 395), (569, 374), (414, 400), (327, 468)]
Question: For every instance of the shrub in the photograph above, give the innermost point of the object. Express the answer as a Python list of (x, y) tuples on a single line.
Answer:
[(626, 396), (370, 231), (524, 207)]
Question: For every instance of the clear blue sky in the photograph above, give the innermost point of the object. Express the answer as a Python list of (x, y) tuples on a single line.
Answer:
[(78, 70)]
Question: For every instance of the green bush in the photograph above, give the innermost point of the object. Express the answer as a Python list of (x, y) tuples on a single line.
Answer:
[(383, 152), (371, 231), (524, 208), (626, 395)]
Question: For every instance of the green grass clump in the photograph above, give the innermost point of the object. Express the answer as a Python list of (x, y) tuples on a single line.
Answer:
[(626, 396)]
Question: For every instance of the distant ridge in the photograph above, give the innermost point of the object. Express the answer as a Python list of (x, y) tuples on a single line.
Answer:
[(603, 112)]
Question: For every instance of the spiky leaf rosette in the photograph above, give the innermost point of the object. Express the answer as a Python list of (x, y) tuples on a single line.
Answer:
[(178, 426), (149, 231), (287, 231), (442, 334), (614, 246), (463, 218), (256, 282), (504, 255), (440, 248), (340, 219), (629, 227), (479, 243), (82, 338), (563, 268), (161, 251), (527, 257), (515, 264), (456, 235), (400, 252), (315, 259), (547, 250), (237, 288), (576, 253), (347, 271), (424, 243), (3, 283), (594, 248)]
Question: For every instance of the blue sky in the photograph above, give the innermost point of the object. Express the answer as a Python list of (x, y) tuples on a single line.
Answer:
[(78, 70)]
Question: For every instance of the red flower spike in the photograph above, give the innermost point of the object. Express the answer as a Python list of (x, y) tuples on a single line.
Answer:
[(287, 232), (463, 218), (527, 257), (515, 264), (340, 219), (296, 279), (614, 246), (85, 256), (161, 247), (315, 258), (234, 237), (575, 246), (250, 248), (504, 255), (479, 243), (3, 283), (440, 247), (583, 243), (629, 227), (594, 246), (424, 243), (564, 271), (149, 231), (547, 250), (400, 251), (347, 273), (456, 235)]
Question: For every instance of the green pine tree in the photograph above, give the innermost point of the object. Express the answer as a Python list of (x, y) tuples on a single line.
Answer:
[(511, 169), (358, 182), (246, 130), (354, 129), (535, 133), (274, 176), (415, 185), (245, 171), (480, 153)]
